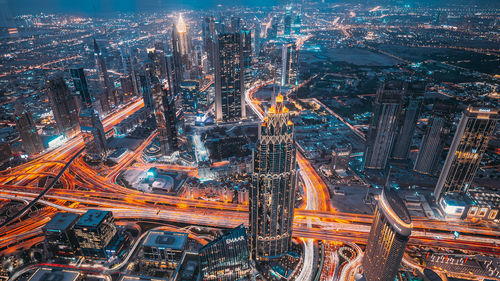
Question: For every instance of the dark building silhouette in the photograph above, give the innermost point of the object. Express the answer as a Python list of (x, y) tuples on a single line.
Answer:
[(63, 106), (246, 49), (81, 86), (466, 151), (433, 141), (25, 125), (189, 96), (227, 257), (412, 103), (147, 93), (106, 86), (389, 234), (272, 196), (289, 65), (60, 238), (94, 230), (229, 78), (93, 134), (165, 114), (383, 124)]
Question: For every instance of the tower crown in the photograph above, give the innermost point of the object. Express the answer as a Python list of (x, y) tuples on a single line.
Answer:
[(181, 25)]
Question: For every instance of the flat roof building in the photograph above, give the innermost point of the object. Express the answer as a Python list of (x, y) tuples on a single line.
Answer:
[(60, 237), (55, 274), (163, 249)]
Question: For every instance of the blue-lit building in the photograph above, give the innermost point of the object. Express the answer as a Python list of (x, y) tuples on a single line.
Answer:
[(189, 95), (60, 238), (227, 257)]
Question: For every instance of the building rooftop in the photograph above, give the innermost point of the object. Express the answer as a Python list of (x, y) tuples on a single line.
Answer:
[(61, 221), (141, 278), (92, 218), (53, 274), (395, 211), (165, 240)]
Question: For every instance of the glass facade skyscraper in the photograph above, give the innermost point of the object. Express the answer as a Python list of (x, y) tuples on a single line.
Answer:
[(226, 258), (229, 78), (466, 151), (389, 234), (63, 106), (272, 195)]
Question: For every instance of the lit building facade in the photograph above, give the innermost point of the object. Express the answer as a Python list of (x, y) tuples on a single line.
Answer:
[(340, 158), (60, 238), (246, 49), (289, 65), (227, 257), (102, 71), (189, 95), (163, 249), (389, 234), (94, 230), (466, 151), (272, 195), (383, 124), (181, 43), (25, 125), (287, 21), (433, 141), (229, 79), (63, 106), (412, 103)]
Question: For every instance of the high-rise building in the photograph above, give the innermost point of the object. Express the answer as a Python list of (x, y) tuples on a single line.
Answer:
[(189, 94), (106, 86), (383, 124), (297, 24), (25, 125), (256, 39), (81, 86), (165, 114), (226, 258), (94, 230), (389, 234), (246, 50), (235, 24), (432, 145), (272, 31), (466, 151), (147, 94), (60, 238), (63, 106), (181, 43), (93, 134), (287, 21), (274, 176), (229, 79), (289, 65), (127, 88), (209, 37), (174, 74), (412, 103), (129, 68)]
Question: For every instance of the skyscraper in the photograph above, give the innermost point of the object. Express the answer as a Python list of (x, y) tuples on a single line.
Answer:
[(146, 92), (25, 125), (226, 258), (129, 68), (297, 23), (431, 147), (287, 21), (181, 43), (272, 31), (63, 106), (289, 65), (165, 114), (389, 234), (235, 24), (383, 124), (229, 78), (93, 133), (189, 96), (412, 103), (466, 151), (274, 176), (106, 86), (246, 49), (81, 86), (209, 33)]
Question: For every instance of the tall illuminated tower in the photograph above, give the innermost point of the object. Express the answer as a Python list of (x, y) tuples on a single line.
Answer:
[(102, 70), (289, 65), (229, 78), (383, 124), (25, 125), (432, 145), (272, 196), (209, 33), (181, 43), (389, 234), (63, 106), (412, 103), (466, 151), (246, 49)]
